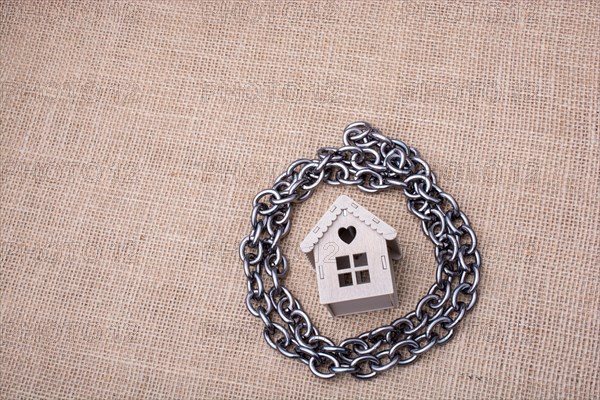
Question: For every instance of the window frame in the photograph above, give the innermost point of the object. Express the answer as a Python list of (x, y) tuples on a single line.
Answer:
[(350, 267)]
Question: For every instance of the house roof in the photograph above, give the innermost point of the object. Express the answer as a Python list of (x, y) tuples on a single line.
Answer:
[(345, 203)]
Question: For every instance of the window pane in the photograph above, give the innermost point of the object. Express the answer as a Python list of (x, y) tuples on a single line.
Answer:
[(360, 260), (363, 277), (345, 279), (342, 262)]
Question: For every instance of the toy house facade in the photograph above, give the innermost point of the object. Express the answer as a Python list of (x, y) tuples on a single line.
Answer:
[(352, 252)]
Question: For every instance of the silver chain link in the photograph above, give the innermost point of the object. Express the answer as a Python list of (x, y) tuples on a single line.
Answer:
[(372, 162)]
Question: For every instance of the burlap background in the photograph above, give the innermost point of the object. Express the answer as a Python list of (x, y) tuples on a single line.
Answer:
[(135, 135)]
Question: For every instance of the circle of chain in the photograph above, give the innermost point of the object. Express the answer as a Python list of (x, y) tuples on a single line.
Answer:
[(372, 162)]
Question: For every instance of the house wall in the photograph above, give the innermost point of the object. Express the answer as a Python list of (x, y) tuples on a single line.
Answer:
[(362, 305), (366, 241)]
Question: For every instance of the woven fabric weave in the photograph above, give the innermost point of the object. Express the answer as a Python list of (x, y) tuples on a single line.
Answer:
[(134, 136)]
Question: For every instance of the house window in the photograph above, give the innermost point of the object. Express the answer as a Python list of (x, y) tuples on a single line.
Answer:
[(342, 262), (355, 266), (360, 260), (345, 279), (363, 277)]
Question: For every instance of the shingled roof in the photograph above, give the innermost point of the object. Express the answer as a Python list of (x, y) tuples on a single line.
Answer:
[(345, 203)]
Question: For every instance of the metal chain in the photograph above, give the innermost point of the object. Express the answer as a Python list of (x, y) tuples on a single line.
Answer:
[(372, 162)]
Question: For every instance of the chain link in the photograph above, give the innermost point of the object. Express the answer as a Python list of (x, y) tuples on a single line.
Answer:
[(372, 162)]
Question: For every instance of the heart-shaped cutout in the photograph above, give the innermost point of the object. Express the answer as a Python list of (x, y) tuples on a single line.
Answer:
[(347, 234)]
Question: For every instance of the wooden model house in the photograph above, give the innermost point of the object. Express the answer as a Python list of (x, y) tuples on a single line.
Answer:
[(351, 251)]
